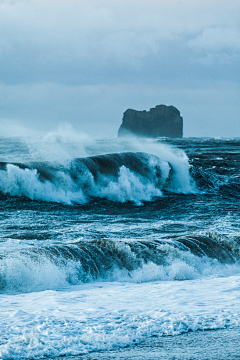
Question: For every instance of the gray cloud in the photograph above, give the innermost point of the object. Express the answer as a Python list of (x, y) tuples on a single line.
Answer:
[(87, 61)]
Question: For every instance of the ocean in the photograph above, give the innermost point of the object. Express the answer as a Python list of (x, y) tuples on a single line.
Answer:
[(110, 244)]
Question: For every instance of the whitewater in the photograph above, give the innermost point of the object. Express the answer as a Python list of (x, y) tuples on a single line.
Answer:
[(109, 243)]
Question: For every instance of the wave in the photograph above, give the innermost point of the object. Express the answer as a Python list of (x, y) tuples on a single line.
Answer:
[(56, 266), (118, 177)]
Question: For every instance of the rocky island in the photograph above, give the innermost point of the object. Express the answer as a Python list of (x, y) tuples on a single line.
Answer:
[(159, 121)]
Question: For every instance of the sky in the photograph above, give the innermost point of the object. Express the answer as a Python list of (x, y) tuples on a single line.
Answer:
[(82, 63)]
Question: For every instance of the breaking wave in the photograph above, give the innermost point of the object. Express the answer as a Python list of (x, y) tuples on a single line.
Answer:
[(117, 177), (56, 266)]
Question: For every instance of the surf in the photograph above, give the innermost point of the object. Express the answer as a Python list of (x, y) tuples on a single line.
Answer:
[(57, 266), (121, 177)]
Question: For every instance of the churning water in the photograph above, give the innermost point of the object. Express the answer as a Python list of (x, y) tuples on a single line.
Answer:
[(106, 243)]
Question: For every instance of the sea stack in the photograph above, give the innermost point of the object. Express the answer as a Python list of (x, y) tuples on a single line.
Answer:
[(159, 121)]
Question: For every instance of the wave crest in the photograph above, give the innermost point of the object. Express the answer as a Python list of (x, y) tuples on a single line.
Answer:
[(56, 266), (117, 177)]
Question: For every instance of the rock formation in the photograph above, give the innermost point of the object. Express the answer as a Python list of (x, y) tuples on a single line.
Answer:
[(159, 121)]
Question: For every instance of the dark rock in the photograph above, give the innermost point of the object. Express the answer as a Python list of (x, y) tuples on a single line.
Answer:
[(159, 121)]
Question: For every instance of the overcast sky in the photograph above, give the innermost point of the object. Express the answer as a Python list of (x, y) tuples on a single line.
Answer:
[(84, 62)]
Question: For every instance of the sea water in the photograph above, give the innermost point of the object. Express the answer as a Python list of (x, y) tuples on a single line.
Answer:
[(107, 243)]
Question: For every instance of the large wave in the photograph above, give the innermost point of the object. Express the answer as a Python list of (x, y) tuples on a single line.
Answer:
[(128, 176), (56, 266), (122, 176)]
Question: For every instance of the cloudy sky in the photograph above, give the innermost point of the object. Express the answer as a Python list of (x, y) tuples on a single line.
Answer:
[(84, 62)]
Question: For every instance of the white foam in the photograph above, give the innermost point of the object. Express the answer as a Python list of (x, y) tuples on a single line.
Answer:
[(129, 187), (104, 316), (22, 273), (25, 182)]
